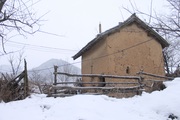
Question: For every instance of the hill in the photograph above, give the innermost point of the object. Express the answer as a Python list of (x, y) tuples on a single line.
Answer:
[(44, 72)]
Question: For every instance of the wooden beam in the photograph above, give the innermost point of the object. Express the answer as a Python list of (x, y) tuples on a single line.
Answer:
[(97, 83), (26, 84), (100, 88), (98, 75), (55, 78), (153, 75)]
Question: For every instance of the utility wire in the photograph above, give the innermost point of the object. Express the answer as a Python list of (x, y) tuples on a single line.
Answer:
[(51, 33), (38, 46), (122, 50), (67, 64), (36, 70), (125, 49)]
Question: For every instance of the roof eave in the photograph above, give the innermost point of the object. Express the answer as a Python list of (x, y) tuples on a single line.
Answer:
[(131, 19)]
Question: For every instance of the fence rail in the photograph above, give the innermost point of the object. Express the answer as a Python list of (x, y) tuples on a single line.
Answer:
[(153, 75), (64, 90), (96, 83), (98, 75), (69, 90), (137, 86)]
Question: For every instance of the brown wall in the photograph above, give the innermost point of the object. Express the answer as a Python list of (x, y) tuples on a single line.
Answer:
[(131, 48)]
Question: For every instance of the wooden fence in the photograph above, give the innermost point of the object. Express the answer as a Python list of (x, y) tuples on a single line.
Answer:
[(16, 88), (61, 89), (155, 76)]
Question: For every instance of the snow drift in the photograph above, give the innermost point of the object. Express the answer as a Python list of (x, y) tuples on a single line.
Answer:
[(159, 105)]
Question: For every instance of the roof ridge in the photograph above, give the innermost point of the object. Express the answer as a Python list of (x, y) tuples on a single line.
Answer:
[(131, 19)]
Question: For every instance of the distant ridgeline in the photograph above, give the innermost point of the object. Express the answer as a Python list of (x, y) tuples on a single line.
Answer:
[(44, 72)]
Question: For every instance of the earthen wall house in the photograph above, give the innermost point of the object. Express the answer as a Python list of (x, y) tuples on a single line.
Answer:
[(126, 49)]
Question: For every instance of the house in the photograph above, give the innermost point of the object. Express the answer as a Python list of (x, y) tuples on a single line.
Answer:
[(125, 49)]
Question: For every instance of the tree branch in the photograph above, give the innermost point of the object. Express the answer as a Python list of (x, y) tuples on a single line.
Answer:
[(2, 2)]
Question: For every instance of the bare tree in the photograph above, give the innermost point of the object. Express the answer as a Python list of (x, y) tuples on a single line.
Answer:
[(17, 17), (168, 25), (37, 79), (67, 68), (15, 63)]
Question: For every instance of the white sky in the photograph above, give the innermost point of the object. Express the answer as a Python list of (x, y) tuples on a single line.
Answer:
[(76, 21)]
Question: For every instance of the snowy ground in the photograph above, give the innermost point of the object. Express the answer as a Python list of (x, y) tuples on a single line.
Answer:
[(155, 106)]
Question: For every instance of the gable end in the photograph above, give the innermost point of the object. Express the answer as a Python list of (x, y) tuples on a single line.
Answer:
[(132, 19)]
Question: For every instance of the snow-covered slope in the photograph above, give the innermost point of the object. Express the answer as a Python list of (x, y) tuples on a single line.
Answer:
[(158, 105)]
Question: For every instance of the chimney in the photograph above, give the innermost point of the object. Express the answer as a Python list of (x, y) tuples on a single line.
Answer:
[(100, 28)]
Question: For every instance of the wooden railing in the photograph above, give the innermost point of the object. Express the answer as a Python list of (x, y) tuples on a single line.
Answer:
[(156, 76), (16, 88), (136, 86), (62, 88)]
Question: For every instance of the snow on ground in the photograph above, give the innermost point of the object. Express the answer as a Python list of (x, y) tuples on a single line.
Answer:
[(155, 106)]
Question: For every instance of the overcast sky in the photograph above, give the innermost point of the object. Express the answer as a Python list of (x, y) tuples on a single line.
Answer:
[(74, 23)]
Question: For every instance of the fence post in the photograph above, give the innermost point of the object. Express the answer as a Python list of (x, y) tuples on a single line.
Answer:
[(55, 77), (26, 86)]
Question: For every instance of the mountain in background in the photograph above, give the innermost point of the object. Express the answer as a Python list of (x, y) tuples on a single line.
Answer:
[(44, 72)]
